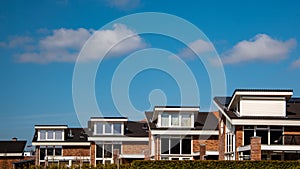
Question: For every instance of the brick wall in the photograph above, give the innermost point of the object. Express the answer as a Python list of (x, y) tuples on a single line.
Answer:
[(211, 142), (222, 137), (255, 148), (238, 139), (37, 155), (157, 148), (6, 163), (135, 147), (76, 151), (93, 153)]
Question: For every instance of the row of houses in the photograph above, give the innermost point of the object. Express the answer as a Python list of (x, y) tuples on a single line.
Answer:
[(249, 125)]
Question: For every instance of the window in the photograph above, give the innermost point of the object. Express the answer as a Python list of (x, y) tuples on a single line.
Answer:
[(105, 152), (165, 119), (175, 145), (50, 135), (264, 135), (176, 120), (248, 133), (42, 153), (229, 142), (50, 151), (185, 120), (43, 135), (269, 134), (117, 128), (108, 128)]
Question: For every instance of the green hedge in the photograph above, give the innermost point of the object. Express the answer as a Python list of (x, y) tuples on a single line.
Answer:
[(197, 164)]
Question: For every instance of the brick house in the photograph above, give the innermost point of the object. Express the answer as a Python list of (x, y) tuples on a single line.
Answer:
[(182, 133), (259, 125), (10, 152), (61, 145), (117, 140)]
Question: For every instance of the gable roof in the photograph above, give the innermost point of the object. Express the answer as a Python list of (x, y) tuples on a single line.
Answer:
[(12, 146)]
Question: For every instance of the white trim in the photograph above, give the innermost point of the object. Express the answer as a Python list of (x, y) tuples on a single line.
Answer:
[(222, 111), (109, 120), (212, 152), (65, 158), (244, 148), (185, 132), (118, 138), (177, 109), (51, 127), (131, 156), (281, 147), (54, 143), (10, 154), (271, 122)]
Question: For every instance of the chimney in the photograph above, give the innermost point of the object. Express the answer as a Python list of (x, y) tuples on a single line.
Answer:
[(14, 139)]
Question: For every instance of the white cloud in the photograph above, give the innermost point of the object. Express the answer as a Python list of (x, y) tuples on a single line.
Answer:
[(296, 64), (64, 45), (16, 41), (199, 47), (123, 4), (262, 48)]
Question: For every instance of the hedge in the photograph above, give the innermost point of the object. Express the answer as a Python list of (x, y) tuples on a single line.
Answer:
[(194, 164)]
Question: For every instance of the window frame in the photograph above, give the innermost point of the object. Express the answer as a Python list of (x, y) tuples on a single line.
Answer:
[(170, 119), (181, 146)]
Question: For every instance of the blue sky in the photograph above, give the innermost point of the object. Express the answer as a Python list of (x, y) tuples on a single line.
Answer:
[(258, 42)]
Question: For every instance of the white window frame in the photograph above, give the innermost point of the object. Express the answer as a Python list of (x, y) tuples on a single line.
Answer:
[(180, 114), (103, 159), (46, 152), (112, 128), (169, 146), (54, 135)]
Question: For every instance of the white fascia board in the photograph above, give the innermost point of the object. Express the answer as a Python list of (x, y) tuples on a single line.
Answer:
[(212, 152), (222, 111), (66, 158), (108, 120), (177, 109), (244, 148), (281, 147), (61, 143), (271, 122), (51, 127), (185, 132), (10, 154), (118, 139), (131, 156)]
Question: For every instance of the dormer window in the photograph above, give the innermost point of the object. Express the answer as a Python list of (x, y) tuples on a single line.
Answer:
[(176, 119), (108, 128), (54, 135)]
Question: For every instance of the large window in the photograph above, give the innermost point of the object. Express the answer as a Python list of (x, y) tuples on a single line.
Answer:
[(176, 120), (50, 151), (108, 128), (269, 134), (229, 142), (176, 145), (105, 152), (50, 134)]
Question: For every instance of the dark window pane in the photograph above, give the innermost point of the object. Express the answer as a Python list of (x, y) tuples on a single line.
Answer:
[(58, 135), (175, 146), (42, 135), (264, 136), (42, 153), (107, 150), (117, 147), (276, 127), (186, 146), (261, 127), (99, 151), (117, 128), (247, 135), (50, 151), (58, 151), (108, 128), (275, 137), (164, 146), (248, 127), (99, 128)]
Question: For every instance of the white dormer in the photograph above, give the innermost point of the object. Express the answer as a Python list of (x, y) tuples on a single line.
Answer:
[(177, 117), (260, 102), (108, 125)]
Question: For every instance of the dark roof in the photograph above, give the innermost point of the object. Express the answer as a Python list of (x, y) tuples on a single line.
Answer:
[(136, 129), (203, 121), (71, 135), (12, 146), (292, 109)]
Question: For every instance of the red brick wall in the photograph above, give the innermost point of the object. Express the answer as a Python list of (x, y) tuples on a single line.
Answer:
[(238, 139), (211, 142), (222, 137), (93, 153), (76, 151), (135, 147), (6, 163), (255, 148)]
